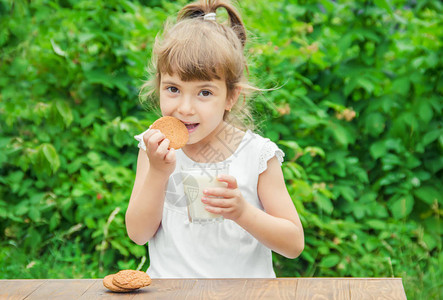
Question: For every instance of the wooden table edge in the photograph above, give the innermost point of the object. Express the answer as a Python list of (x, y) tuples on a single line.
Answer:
[(240, 278)]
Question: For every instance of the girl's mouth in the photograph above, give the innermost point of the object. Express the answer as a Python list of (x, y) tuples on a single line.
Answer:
[(192, 127)]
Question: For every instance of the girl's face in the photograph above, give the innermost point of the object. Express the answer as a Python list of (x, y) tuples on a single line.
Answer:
[(200, 105)]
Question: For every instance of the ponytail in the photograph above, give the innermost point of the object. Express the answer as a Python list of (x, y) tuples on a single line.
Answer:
[(201, 8)]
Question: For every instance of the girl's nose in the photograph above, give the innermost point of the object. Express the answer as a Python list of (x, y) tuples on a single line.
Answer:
[(185, 107)]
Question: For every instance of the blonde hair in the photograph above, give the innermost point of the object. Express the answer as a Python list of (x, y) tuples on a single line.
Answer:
[(199, 49)]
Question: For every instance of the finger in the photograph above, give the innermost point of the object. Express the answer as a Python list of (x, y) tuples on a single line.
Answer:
[(217, 202), (154, 141), (219, 192), (163, 148), (148, 135), (215, 210), (229, 179), (170, 156)]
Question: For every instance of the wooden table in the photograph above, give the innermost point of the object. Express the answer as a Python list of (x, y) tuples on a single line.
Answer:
[(280, 288)]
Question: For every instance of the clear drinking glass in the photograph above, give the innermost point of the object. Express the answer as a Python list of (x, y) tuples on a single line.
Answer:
[(195, 180)]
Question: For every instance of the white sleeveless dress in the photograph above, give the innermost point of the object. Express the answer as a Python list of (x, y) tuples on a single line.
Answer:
[(181, 249)]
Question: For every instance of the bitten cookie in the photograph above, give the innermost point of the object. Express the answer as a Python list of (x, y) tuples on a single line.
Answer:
[(131, 279), (107, 282), (174, 130)]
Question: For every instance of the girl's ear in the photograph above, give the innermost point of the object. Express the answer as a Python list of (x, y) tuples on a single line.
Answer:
[(233, 99)]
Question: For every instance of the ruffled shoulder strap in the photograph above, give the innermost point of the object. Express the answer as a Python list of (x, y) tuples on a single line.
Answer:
[(139, 138), (268, 151)]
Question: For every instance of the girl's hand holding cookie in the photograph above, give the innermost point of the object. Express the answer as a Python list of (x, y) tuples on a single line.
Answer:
[(161, 158), (165, 135), (228, 201)]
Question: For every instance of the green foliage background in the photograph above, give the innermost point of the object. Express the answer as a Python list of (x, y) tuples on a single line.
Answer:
[(359, 116)]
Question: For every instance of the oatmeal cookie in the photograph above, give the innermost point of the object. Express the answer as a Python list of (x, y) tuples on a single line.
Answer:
[(131, 279), (107, 282), (174, 130)]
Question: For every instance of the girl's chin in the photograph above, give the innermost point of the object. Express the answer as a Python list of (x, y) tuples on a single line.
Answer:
[(191, 141)]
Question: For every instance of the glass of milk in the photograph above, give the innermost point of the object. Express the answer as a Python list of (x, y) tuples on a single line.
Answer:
[(195, 180)]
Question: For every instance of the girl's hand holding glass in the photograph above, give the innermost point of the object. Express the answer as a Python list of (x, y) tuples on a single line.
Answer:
[(228, 202), (161, 159)]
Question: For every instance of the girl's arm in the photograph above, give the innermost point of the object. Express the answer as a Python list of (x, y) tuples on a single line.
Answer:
[(278, 227), (145, 209)]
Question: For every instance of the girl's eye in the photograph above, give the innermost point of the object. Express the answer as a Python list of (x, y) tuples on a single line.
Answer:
[(172, 89), (205, 93)]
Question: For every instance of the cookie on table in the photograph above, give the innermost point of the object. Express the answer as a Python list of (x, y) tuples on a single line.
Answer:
[(107, 282), (131, 279), (174, 130)]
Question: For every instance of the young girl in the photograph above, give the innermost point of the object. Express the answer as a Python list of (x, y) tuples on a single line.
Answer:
[(199, 79)]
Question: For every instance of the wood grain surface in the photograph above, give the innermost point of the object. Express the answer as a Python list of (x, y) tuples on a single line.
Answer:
[(376, 289), (280, 288), (327, 288)]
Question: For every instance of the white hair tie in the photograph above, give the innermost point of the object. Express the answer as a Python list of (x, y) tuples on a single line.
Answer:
[(210, 16)]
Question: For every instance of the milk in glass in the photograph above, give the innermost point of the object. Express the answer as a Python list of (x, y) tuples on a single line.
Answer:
[(195, 180)]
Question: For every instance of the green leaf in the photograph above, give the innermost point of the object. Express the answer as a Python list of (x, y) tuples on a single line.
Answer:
[(391, 178), (324, 203), (425, 112), (375, 124), (366, 84), (117, 245), (430, 241), (288, 175), (120, 138), (85, 37), (390, 161), (412, 162), (313, 151), (384, 4), (372, 243), (32, 241), (94, 159), (328, 5), (401, 206), (394, 144), (350, 86), (34, 214), (306, 255), (359, 210), (341, 134), (22, 209), (295, 170), (429, 194), (330, 261), (324, 249), (401, 85), (137, 250), (57, 49), (51, 156), (376, 224), (48, 159), (431, 136), (347, 192), (302, 190), (54, 221), (65, 112), (291, 144), (100, 76), (273, 135), (378, 149), (90, 222)]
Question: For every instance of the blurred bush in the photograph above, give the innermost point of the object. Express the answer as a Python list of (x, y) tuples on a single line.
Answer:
[(358, 116)]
